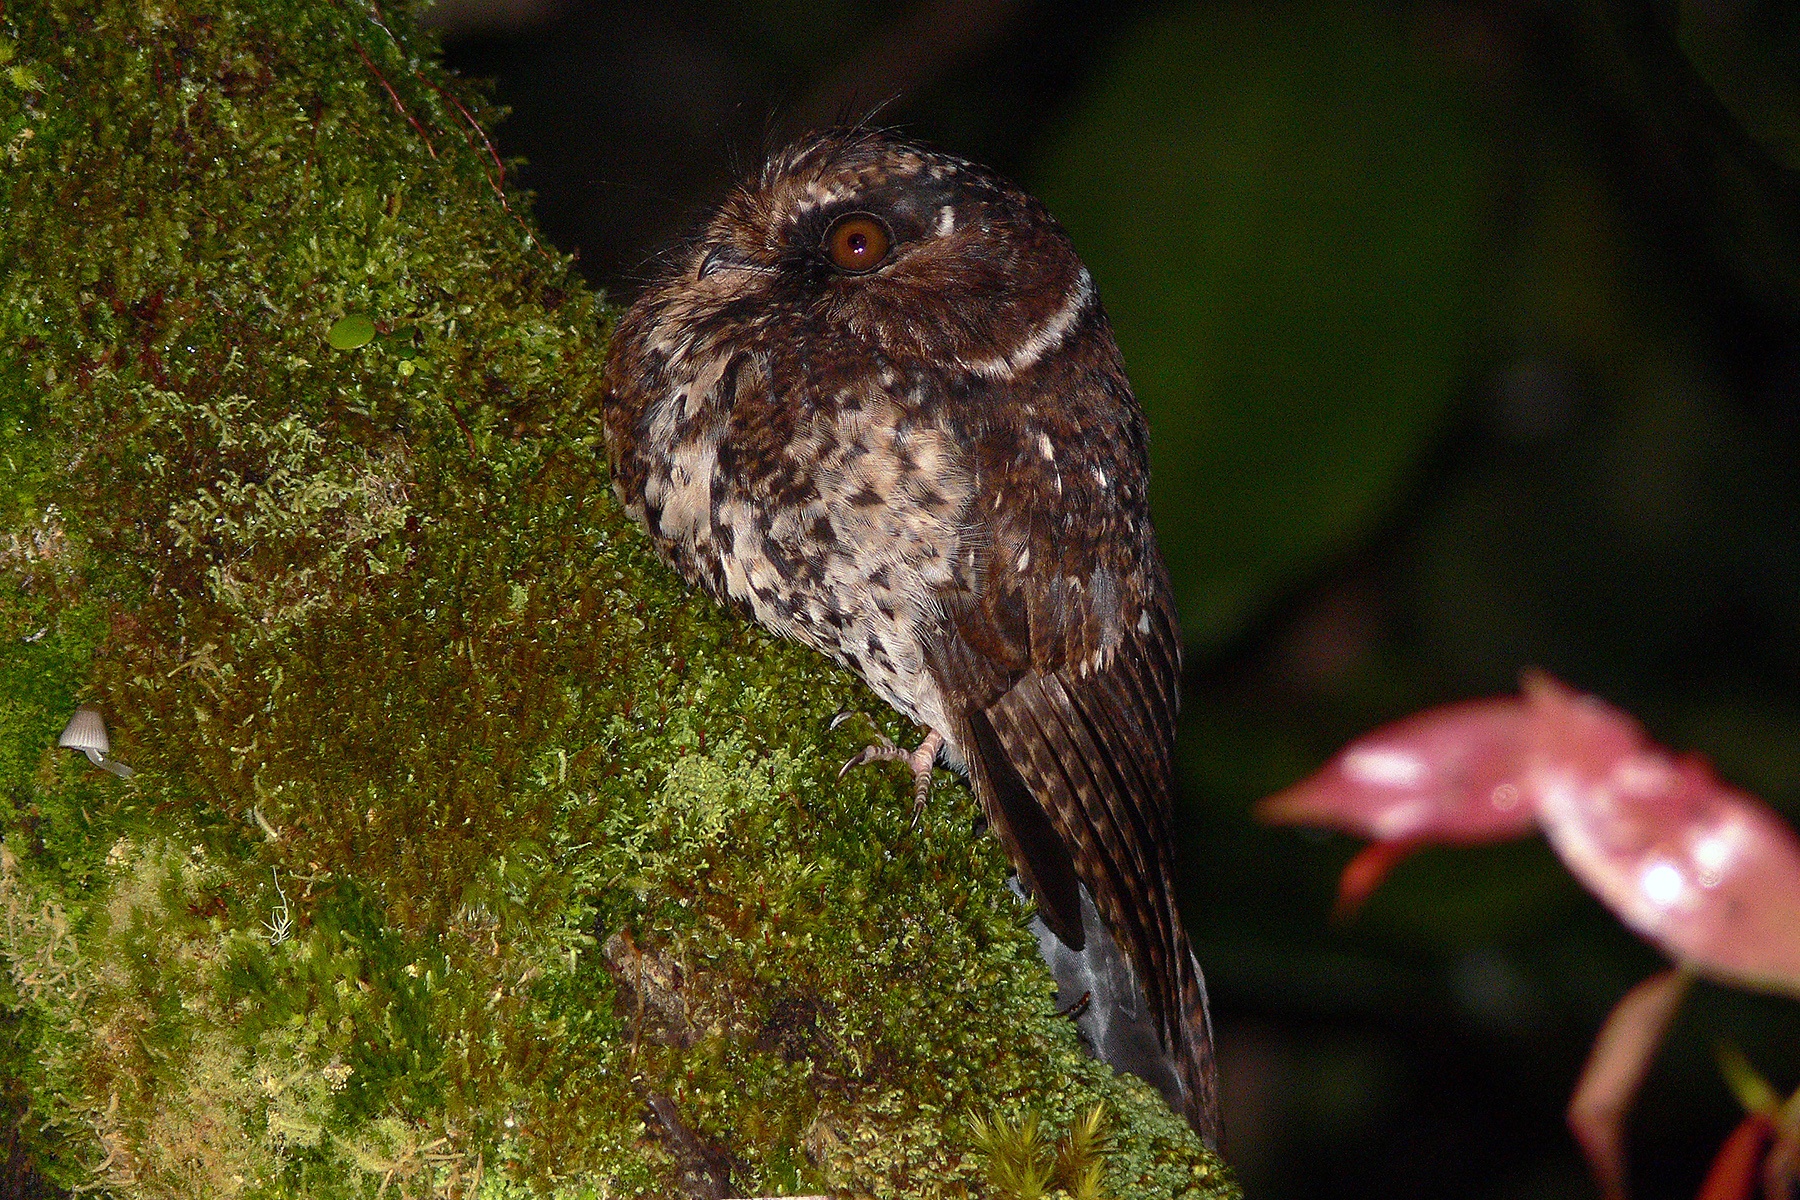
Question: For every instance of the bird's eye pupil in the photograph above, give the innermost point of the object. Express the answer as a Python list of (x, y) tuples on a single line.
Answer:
[(857, 243)]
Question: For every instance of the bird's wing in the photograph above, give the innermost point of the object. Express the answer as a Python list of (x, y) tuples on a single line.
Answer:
[(1063, 651), (1074, 761), (982, 649), (1091, 743)]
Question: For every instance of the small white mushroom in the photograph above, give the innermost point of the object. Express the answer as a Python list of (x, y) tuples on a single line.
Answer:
[(86, 732)]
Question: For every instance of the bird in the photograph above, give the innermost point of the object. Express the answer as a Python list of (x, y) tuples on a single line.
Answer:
[(876, 405)]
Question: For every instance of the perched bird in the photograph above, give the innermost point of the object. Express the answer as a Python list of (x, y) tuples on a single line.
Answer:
[(878, 407)]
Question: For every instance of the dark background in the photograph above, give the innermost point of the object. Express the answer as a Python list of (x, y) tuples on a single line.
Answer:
[(1470, 338)]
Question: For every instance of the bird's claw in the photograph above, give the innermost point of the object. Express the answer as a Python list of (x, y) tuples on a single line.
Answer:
[(882, 749), (920, 761)]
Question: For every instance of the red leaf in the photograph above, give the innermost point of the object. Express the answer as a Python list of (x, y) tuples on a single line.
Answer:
[(1364, 873), (1735, 1168)]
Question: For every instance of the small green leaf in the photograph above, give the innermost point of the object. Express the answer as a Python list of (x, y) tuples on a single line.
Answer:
[(1754, 1092), (351, 332)]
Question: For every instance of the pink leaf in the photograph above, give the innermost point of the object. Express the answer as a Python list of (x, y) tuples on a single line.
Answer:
[(1615, 1070), (1709, 874), (1448, 774)]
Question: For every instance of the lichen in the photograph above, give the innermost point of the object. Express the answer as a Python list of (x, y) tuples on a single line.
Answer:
[(460, 833)]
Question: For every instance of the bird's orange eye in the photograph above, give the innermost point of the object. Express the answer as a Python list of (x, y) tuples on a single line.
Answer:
[(857, 243)]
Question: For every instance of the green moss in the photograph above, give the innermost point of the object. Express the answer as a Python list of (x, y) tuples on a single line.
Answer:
[(459, 828), (1024, 1163)]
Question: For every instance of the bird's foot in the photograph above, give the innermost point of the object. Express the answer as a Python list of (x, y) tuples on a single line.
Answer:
[(919, 760)]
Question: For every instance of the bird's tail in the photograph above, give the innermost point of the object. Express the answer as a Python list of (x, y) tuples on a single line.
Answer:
[(1155, 1026), (1193, 1048)]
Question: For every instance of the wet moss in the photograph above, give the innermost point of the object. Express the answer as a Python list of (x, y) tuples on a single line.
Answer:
[(460, 832)]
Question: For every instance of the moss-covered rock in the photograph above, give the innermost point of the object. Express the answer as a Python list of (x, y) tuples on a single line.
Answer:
[(466, 852)]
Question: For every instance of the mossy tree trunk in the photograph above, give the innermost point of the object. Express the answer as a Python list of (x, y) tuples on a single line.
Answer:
[(466, 852)]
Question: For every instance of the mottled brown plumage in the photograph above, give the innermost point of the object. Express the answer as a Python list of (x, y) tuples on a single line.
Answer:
[(878, 407)]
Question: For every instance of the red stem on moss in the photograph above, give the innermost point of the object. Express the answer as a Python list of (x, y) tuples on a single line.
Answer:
[(395, 97)]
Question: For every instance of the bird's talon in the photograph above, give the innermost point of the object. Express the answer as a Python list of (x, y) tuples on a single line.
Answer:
[(882, 749), (922, 760)]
